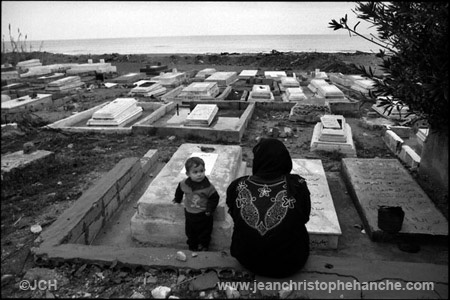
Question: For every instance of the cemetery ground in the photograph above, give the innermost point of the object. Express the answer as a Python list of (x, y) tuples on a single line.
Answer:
[(41, 192)]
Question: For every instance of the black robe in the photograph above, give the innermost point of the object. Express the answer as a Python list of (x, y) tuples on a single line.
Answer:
[(270, 210)]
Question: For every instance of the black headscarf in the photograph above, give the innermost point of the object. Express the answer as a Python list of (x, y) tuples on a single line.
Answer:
[(271, 159)]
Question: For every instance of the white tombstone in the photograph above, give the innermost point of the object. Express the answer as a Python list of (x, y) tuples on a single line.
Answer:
[(200, 90), (275, 75), (116, 113), (246, 74), (333, 135), (202, 74), (323, 226), (202, 115), (295, 94), (260, 93), (330, 91), (289, 82), (316, 83), (223, 79), (159, 221)]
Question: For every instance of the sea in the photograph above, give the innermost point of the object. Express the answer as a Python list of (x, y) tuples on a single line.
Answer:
[(212, 44)]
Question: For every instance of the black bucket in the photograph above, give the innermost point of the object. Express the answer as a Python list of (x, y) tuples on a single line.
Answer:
[(390, 218)]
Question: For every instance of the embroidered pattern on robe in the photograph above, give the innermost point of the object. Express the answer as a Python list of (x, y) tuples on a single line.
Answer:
[(273, 216)]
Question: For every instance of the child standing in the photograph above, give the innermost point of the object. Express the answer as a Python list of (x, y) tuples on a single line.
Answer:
[(201, 199)]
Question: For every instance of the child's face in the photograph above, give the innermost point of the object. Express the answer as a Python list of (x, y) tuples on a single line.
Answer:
[(196, 173)]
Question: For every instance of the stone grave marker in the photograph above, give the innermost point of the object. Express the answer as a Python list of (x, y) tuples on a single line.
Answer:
[(116, 113), (159, 221), (202, 115), (323, 225), (333, 139), (385, 182)]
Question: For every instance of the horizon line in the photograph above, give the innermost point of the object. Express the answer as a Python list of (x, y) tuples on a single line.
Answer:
[(175, 36)]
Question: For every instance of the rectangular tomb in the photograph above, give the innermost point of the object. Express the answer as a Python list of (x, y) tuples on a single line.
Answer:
[(223, 79), (323, 225), (333, 136), (27, 103), (159, 221), (295, 94), (117, 113), (385, 182), (330, 91), (205, 73), (275, 75), (314, 85), (200, 90), (246, 74), (261, 93), (202, 115)]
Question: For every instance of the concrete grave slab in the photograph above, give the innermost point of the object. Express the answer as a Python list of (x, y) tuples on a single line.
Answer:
[(78, 121), (314, 85), (377, 182), (330, 121), (205, 73), (261, 93), (93, 67), (148, 88), (128, 78), (116, 113), (422, 134), (294, 94), (200, 90), (330, 91), (26, 103), (394, 114), (340, 140), (409, 156), (19, 160), (202, 115), (246, 74), (289, 82), (363, 86), (161, 222), (275, 75), (323, 225), (171, 119), (223, 78), (171, 79)]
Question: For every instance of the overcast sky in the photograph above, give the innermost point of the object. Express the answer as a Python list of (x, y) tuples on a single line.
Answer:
[(55, 20)]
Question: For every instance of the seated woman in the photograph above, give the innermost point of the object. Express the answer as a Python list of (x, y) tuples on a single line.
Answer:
[(270, 209)]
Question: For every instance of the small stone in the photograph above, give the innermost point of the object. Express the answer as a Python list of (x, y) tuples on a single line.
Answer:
[(7, 278), (171, 138), (285, 293), (70, 146), (49, 295), (137, 295), (36, 228), (181, 256), (202, 294), (180, 279), (173, 297), (160, 292), (231, 292), (151, 279), (194, 254), (28, 148)]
